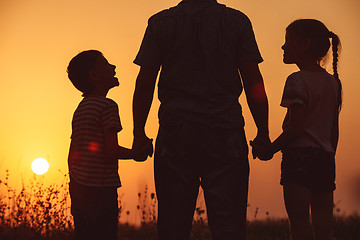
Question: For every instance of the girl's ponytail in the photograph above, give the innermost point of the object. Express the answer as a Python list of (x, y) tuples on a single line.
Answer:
[(335, 42)]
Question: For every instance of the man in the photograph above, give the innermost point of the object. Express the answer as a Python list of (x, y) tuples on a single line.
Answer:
[(200, 46)]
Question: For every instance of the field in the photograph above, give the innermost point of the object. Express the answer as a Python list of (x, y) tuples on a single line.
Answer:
[(36, 212)]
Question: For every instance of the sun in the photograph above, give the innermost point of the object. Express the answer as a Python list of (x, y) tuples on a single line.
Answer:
[(40, 166)]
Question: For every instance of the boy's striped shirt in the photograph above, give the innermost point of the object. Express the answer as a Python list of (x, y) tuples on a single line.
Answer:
[(88, 163)]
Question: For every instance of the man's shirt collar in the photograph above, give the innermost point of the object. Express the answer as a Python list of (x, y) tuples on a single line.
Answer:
[(186, 1)]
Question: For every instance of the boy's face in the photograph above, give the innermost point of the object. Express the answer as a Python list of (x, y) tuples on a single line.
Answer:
[(103, 74)]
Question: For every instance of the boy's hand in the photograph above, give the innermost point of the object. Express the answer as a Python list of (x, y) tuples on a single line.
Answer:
[(261, 150), (143, 150)]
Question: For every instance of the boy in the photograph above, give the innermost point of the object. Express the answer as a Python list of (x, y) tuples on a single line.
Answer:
[(94, 149)]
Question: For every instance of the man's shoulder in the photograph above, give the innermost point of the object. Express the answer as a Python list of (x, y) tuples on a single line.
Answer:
[(164, 13), (233, 11), (236, 14), (294, 77), (219, 8), (294, 74)]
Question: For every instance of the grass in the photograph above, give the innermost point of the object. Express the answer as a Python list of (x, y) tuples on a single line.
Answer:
[(36, 212)]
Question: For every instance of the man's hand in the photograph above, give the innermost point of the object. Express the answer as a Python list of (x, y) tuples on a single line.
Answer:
[(142, 148), (142, 100), (261, 148), (258, 104)]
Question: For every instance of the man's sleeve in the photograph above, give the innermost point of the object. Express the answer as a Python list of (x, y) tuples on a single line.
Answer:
[(149, 53), (247, 46)]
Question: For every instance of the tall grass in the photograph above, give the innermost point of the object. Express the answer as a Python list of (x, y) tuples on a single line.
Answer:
[(39, 212), (34, 211)]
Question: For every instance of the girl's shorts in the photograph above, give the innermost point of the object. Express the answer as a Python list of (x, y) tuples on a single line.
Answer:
[(313, 168)]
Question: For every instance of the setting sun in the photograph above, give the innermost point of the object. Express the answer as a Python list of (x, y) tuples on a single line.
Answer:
[(40, 166)]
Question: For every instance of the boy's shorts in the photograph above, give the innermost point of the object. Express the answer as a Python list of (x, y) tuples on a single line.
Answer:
[(313, 168), (95, 211)]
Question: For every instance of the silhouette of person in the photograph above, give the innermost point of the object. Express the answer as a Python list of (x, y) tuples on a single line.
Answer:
[(200, 46), (94, 150), (313, 99)]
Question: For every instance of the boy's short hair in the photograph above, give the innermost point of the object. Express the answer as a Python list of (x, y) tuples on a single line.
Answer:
[(79, 69)]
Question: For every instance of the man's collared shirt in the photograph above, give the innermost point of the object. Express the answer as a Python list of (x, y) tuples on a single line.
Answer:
[(199, 45)]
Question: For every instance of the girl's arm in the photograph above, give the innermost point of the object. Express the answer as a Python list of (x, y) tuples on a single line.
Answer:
[(296, 114), (335, 131)]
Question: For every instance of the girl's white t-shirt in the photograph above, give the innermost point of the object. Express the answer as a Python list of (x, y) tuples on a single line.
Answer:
[(318, 92)]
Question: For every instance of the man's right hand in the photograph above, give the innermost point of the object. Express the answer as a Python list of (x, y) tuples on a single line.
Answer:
[(261, 146)]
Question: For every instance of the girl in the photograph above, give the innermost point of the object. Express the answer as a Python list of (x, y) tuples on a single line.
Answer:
[(313, 99)]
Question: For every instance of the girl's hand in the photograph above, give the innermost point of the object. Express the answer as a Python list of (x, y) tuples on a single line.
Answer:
[(261, 150)]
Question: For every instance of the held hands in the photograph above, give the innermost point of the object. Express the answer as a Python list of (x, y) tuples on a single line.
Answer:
[(142, 149), (261, 148)]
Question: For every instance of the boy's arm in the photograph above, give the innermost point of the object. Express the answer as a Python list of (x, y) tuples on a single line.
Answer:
[(70, 152), (256, 99), (142, 100), (112, 148)]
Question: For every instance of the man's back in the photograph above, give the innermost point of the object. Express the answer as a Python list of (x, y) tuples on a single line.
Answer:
[(199, 45)]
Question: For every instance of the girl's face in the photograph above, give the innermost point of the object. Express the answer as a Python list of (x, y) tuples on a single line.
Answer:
[(294, 49)]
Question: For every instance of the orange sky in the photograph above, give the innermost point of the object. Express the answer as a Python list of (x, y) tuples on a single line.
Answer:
[(39, 37)]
